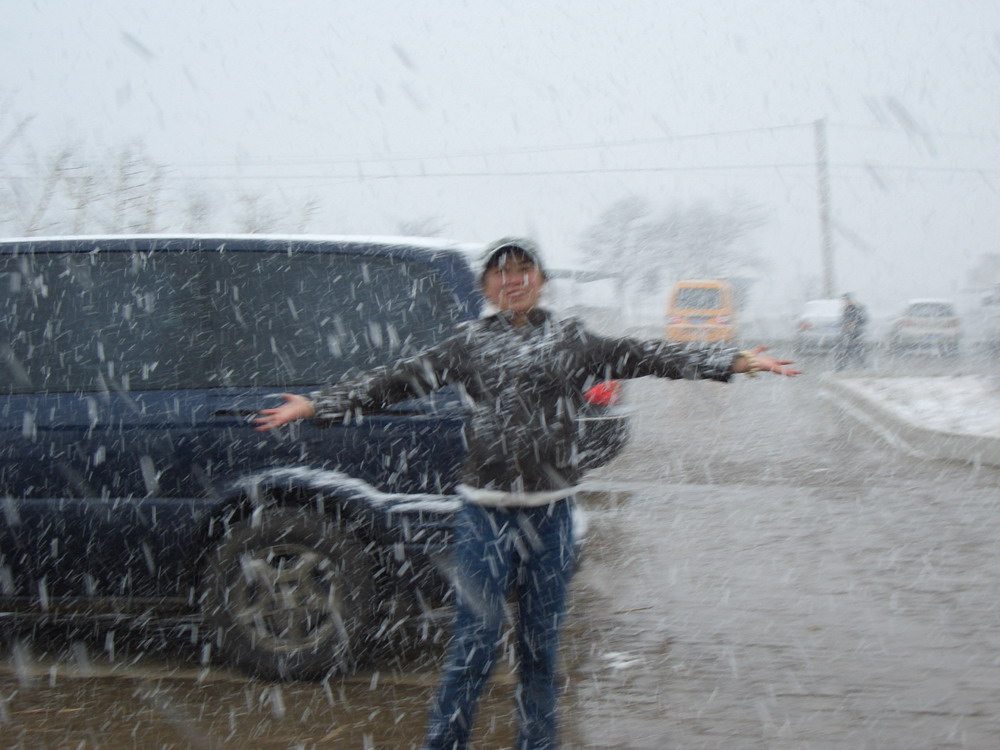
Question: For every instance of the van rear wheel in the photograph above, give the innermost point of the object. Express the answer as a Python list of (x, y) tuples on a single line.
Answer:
[(288, 596)]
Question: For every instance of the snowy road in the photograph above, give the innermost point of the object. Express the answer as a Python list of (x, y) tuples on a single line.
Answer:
[(781, 579), (761, 573)]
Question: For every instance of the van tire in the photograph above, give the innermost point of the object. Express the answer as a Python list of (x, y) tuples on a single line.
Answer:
[(288, 596)]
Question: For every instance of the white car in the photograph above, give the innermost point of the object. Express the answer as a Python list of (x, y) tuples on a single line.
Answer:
[(989, 315), (818, 327), (926, 324)]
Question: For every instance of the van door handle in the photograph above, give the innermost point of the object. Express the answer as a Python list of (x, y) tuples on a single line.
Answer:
[(238, 412), (234, 412)]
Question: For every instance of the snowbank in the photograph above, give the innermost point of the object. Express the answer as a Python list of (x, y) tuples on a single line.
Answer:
[(966, 405)]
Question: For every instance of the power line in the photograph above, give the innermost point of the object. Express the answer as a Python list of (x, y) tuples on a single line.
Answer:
[(987, 137), (495, 152), (424, 174), (562, 148), (360, 162), (544, 149)]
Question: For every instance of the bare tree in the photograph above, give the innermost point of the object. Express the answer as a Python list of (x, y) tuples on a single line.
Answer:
[(198, 209), (307, 213), (14, 132), (53, 174), (705, 241), (135, 191), (81, 185), (684, 242), (152, 202), (616, 242), (122, 192), (77, 194), (256, 214)]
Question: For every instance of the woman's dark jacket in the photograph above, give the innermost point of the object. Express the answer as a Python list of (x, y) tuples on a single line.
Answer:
[(524, 386)]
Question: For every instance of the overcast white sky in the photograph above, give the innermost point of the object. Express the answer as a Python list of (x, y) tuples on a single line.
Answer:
[(533, 117)]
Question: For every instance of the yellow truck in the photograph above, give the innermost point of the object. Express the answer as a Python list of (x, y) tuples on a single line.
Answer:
[(702, 310)]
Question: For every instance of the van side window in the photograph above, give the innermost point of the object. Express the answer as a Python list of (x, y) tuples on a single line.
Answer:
[(96, 322), (307, 318), (179, 320)]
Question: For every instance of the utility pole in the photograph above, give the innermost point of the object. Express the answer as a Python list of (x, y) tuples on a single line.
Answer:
[(823, 186)]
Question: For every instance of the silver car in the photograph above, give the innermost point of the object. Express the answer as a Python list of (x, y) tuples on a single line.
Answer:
[(926, 324), (818, 327)]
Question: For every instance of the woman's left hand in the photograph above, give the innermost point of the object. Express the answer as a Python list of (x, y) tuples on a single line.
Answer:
[(767, 363)]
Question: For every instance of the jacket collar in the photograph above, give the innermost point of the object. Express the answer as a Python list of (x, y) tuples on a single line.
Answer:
[(536, 316)]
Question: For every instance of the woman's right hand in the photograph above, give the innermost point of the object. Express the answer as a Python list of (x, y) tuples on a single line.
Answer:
[(295, 407)]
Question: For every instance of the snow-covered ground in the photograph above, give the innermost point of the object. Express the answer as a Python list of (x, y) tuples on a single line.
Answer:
[(962, 404)]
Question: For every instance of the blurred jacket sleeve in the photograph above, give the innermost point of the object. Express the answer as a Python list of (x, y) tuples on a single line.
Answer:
[(616, 358), (379, 388)]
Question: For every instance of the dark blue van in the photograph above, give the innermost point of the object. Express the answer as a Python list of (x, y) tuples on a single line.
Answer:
[(131, 476)]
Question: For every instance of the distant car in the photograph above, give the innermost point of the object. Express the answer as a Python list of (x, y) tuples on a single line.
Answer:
[(818, 327), (989, 319), (926, 324)]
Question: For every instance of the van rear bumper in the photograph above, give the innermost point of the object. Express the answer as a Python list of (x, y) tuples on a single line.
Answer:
[(706, 334)]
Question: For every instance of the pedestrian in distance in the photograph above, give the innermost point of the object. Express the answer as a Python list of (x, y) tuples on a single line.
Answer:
[(851, 346), (523, 372)]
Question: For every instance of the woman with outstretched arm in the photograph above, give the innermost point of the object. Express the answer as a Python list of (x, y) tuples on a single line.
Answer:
[(523, 373)]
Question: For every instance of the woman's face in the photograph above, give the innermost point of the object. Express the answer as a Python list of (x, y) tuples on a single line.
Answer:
[(514, 284)]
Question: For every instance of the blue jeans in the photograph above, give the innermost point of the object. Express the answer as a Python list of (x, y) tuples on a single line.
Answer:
[(529, 550)]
